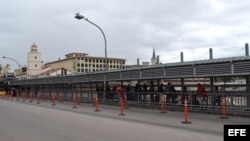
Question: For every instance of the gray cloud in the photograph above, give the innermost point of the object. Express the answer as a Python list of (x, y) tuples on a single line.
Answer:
[(132, 28)]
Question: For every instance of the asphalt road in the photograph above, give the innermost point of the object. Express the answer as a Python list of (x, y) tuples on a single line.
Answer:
[(24, 121)]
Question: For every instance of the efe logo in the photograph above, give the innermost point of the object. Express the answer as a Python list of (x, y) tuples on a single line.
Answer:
[(236, 132)]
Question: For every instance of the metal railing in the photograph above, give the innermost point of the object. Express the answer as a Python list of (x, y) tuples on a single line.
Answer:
[(237, 103)]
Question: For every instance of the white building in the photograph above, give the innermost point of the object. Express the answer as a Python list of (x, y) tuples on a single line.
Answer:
[(82, 63), (34, 62)]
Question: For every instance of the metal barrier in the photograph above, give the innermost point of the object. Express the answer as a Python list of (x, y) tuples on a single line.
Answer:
[(237, 103)]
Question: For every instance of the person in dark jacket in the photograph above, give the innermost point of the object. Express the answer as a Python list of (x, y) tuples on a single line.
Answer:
[(161, 91)]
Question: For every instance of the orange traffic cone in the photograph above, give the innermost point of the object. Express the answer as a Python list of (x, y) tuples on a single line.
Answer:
[(223, 108), (186, 112), (162, 104)]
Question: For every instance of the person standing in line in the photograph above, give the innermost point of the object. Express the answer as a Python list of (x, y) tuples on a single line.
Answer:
[(101, 93), (145, 90), (168, 97), (217, 99), (6, 87), (128, 88), (129, 94), (97, 88), (160, 94), (137, 92), (108, 93), (202, 91), (173, 95), (170, 93), (114, 95), (119, 92), (152, 87), (184, 95)]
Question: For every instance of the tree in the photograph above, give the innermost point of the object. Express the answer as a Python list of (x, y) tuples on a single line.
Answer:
[(24, 69)]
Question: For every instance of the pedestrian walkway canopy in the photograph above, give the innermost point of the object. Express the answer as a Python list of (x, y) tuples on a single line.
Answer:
[(231, 66)]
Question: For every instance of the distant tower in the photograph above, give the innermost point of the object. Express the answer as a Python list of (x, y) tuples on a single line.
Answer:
[(34, 61), (153, 59)]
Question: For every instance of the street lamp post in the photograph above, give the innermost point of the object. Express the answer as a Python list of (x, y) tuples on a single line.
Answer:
[(79, 17), (14, 61)]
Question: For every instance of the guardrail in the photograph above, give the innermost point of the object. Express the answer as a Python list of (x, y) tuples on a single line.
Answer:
[(237, 103)]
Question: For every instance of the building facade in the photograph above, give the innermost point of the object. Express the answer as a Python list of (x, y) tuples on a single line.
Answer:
[(34, 61), (82, 63)]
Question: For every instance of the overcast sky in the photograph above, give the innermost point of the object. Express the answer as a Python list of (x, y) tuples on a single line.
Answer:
[(132, 28)]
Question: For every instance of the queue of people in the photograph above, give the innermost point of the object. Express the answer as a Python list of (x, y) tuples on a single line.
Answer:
[(140, 92), (152, 93)]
